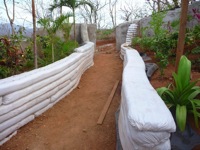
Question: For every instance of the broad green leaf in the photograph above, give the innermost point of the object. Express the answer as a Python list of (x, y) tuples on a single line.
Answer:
[(184, 70), (170, 97), (181, 113), (161, 90), (196, 101), (166, 95), (178, 86), (194, 94), (191, 85)]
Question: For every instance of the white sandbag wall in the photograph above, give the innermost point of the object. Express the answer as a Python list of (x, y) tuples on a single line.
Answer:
[(24, 97), (144, 120)]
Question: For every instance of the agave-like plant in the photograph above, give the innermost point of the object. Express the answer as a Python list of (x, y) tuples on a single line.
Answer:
[(182, 94)]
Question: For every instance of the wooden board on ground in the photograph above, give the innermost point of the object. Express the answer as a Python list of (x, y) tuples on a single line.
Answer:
[(108, 102)]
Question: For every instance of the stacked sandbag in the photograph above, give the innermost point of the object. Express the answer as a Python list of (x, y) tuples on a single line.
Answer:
[(132, 32), (24, 97), (144, 120)]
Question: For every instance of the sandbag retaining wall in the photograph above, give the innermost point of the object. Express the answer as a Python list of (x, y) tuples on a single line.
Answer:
[(144, 120), (24, 97)]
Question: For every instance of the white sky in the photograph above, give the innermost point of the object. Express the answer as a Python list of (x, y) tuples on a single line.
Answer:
[(24, 18)]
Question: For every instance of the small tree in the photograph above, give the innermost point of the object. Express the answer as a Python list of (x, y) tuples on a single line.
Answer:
[(51, 26)]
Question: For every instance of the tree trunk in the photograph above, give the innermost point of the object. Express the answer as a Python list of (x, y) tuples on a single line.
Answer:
[(182, 29), (52, 50), (158, 3), (74, 24), (34, 35), (61, 10), (95, 16)]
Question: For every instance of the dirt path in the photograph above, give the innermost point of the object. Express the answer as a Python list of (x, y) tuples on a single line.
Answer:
[(71, 123)]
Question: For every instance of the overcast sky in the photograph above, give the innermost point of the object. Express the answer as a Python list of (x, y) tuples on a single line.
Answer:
[(24, 18)]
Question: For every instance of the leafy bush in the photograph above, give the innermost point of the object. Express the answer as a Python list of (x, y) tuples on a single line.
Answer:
[(104, 33), (196, 32), (4, 72), (182, 94), (175, 24), (157, 22)]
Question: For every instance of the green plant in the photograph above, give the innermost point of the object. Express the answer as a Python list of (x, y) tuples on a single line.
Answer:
[(156, 23), (68, 48), (145, 42), (51, 26), (104, 33), (4, 72), (182, 94), (162, 61), (196, 50), (163, 46), (175, 24), (196, 32), (10, 55)]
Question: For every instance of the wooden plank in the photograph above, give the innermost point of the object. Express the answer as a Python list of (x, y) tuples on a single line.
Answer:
[(108, 102)]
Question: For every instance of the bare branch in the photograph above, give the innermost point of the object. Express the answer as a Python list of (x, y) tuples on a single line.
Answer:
[(11, 20)]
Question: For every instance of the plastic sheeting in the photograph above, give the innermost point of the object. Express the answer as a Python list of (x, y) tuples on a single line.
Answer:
[(144, 120)]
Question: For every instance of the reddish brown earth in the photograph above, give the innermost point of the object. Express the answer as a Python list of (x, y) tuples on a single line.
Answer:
[(72, 123)]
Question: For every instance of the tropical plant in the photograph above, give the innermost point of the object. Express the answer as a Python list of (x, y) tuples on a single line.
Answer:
[(72, 4), (181, 95), (51, 26)]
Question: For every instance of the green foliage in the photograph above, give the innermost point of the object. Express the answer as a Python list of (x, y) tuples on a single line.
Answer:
[(61, 49), (28, 59), (175, 24), (68, 48), (162, 43), (10, 55), (182, 94), (66, 28), (196, 50), (157, 22), (104, 34), (51, 26), (145, 42), (196, 32), (189, 38), (4, 72)]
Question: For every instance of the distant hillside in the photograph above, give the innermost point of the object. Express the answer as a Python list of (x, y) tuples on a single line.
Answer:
[(5, 29)]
